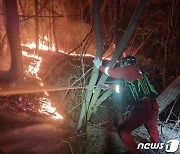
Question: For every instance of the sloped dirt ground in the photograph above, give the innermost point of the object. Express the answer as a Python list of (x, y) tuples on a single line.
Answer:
[(27, 134), (22, 133), (24, 130)]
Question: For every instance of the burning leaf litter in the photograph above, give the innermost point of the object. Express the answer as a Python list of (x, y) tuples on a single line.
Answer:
[(33, 69)]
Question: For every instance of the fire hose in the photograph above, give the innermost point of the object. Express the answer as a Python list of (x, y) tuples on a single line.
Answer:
[(30, 91), (40, 90)]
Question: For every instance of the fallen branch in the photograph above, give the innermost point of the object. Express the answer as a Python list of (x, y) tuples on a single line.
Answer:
[(169, 94)]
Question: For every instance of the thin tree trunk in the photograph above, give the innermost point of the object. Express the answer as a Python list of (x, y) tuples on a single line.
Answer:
[(95, 72), (53, 27), (50, 27), (36, 25), (116, 40), (116, 35), (123, 43), (13, 34), (142, 44), (170, 26)]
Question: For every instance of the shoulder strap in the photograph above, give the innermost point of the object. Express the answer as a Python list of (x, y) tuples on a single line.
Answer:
[(153, 92)]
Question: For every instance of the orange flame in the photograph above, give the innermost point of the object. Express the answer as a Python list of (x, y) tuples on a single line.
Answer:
[(47, 108), (33, 69)]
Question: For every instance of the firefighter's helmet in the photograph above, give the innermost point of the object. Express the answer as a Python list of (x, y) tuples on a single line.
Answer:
[(129, 59)]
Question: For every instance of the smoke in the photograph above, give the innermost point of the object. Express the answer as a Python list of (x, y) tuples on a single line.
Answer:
[(32, 139)]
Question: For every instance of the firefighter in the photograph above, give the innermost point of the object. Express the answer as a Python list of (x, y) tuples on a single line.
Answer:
[(140, 94)]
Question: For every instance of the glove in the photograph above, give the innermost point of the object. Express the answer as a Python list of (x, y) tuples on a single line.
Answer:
[(97, 62)]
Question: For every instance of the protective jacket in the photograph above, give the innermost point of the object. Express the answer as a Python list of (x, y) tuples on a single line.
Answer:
[(133, 81)]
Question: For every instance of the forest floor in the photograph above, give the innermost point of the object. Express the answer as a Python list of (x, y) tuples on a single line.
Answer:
[(23, 130), (22, 133)]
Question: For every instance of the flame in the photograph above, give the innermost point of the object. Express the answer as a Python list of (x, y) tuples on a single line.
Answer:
[(51, 47), (46, 45), (34, 68), (42, 44), (47, 108)]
